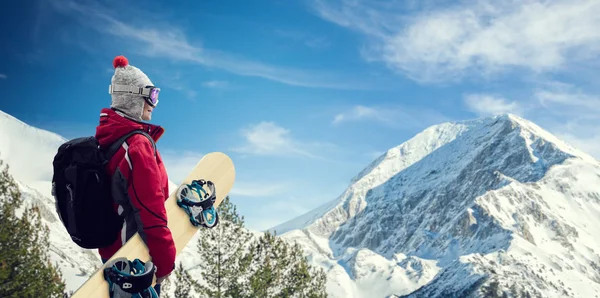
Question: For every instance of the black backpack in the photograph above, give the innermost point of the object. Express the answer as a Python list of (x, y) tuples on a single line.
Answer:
[(82, 193)]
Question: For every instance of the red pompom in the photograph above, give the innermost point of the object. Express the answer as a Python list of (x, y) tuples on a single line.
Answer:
[(120, 61)]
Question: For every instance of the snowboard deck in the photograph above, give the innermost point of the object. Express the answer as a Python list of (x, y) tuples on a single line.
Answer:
[(216, 167)]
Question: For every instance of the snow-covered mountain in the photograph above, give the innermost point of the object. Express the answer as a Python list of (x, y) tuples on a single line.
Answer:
[(460, 210), (28, 151), (457, 209)]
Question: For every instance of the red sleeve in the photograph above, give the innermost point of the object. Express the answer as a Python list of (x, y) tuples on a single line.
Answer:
[(147, 197)]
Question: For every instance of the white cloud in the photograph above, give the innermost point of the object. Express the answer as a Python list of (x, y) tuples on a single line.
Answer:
[(3, 76), (268, 138), (167, 41), (215, 84), (565, 98), (566, 111), (442, 42), (391, 115), (179, 164), (487, 105), (586, 140), (358, 113), (571, 113)]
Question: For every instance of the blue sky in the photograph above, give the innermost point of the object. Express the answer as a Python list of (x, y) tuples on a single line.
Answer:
[(303, 94)]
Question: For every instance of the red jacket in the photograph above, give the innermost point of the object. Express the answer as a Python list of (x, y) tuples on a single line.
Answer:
[(140, 188)]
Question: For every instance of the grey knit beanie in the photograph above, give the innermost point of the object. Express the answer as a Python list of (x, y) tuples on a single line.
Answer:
[(132, 105)]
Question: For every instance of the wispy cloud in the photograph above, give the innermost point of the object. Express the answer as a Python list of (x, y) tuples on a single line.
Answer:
[(571, 113), (445, 43), (567, 111), (179, 163), (359, 113), (167, 41), (262, 189), (392, 116), (308, 39), (567, 98), (488, 104), (270, 139), (177, 81), (586, 139), (215, 84), (280, 211), (3, 76)]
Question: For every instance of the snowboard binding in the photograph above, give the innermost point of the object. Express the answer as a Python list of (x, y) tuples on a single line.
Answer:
[(130, 279), (198, 204)]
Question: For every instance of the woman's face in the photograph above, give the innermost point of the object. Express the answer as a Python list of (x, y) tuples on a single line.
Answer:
[(147, 114)]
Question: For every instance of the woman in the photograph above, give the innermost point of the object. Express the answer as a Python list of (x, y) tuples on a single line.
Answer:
[(139, 178)]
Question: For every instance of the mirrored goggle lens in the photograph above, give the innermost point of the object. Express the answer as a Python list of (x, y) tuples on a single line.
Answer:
[(152, 98), (154, 95)]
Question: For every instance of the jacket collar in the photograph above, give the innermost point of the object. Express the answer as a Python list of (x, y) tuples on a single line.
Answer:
[(114, 125)]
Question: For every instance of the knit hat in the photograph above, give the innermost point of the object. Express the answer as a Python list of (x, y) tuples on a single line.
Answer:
[(131, 105)]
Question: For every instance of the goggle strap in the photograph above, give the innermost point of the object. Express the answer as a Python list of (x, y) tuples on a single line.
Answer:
[(129, 89)]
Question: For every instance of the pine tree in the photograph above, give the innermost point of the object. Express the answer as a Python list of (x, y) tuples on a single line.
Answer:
[(233, 266), (277, 269), (261, 266), (183, 282), (165, 287), (220, 249), (25, 267), (303, 280)]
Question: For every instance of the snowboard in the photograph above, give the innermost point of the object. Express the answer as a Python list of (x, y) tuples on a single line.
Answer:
[(216, 167)]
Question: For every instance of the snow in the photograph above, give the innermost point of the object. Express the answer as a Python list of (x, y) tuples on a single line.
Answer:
[(468, 202), (75, 263), (29, 152), (446, 212)]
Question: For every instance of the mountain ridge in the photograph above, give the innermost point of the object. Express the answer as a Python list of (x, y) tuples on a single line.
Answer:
[(21, 143), (444, 195), (449, 131)]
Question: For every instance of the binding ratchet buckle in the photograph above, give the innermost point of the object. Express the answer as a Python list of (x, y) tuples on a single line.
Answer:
[(198, 203), (130, 278)]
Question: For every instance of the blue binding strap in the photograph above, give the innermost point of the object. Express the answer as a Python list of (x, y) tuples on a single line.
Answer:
[(201, 210)]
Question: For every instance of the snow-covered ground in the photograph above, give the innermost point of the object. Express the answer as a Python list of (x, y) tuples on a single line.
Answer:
[(448, 212), (29, 152)]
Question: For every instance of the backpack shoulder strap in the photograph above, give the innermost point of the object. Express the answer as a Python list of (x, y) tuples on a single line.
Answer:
[(115, 146)]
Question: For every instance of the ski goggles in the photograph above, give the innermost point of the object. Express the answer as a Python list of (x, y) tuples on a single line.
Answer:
[(149, 93)]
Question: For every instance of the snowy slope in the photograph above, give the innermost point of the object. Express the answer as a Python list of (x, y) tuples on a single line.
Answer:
[(450, 211), (458, 207), (29, 152)]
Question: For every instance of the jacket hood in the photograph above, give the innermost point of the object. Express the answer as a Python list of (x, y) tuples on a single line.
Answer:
[(112, 126)]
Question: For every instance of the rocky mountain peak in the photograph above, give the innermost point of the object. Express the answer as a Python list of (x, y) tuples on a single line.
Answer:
[(462, 191)]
